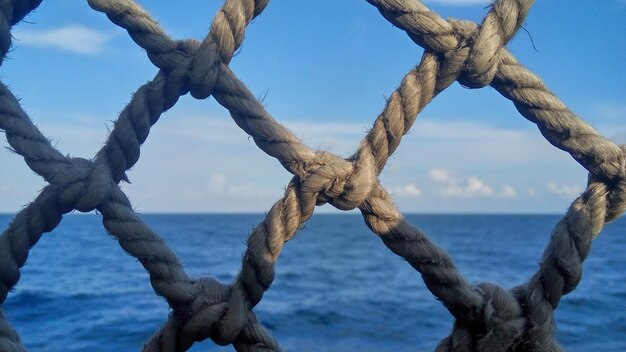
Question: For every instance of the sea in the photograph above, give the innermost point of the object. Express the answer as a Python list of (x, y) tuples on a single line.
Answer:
[(337, 287)]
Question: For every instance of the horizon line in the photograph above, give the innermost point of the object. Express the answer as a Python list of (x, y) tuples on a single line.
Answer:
[(321, 213)]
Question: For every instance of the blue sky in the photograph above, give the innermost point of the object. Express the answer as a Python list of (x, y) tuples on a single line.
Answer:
[(324, 69)]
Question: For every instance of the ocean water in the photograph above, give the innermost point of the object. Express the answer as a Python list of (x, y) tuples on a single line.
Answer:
[(337, 287)]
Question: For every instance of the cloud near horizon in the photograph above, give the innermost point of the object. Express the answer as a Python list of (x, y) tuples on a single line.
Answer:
[(448, 186), (197, 164), (564, 190), (410, 190), (76, 39)]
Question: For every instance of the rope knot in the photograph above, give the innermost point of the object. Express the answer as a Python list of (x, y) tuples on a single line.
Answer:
[(204, 69), (345, 184), (84, 184), (498, 326), (217, 311), (475, 60), (195, 66), (611, 192), (190, 66), (206, 311), (502, 317)]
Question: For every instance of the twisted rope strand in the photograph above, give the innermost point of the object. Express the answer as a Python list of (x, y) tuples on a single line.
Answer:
[(13, 11), (226, 31), (27, 141), (120, 153), (228, 333), (22, 135), (22, 234), (40, 216), (488, 318), (561, 127), (560, 270), (265, 137), (9, 339), (431, 32), (266, 241), (227, 28), (166, 272), (399, 114), (417, 88), (561, 267), (437, 268)]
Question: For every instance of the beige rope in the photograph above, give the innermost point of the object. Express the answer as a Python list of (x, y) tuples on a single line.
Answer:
[(488, 318)]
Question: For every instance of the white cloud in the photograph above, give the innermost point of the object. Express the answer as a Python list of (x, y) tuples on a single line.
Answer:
[(409, 190), (216, 182), (248, 190), (74, 38), (219, 185), (194, 163), (472, 187), (568, 191), (508, 192), (5, 190), (441, 175)]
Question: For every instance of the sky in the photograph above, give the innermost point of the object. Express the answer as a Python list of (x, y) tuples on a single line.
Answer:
[(322, 68)]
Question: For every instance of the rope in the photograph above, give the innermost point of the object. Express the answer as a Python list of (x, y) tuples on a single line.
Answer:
[(487, 317)]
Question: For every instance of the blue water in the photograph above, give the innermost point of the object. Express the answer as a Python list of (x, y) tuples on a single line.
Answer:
[(337, 287)]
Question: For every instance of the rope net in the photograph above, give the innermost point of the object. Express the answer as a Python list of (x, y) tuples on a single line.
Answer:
[(487, 317)]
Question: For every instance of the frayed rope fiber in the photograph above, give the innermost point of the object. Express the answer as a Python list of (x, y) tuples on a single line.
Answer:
[(487, 317)]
